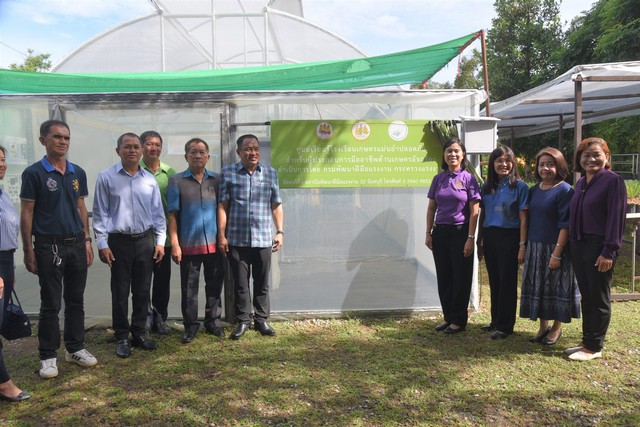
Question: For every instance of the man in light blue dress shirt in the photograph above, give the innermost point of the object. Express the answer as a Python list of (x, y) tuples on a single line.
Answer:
[(130, 229)]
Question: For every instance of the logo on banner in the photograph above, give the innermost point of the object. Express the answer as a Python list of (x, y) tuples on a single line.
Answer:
[(324, 130), (398, 130), (361, 131)]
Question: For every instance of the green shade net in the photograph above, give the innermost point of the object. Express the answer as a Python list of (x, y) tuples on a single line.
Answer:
[(407, 67)]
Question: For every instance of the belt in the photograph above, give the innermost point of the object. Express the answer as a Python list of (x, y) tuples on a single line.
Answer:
[(133, 237), (8, 251), (61, 240)]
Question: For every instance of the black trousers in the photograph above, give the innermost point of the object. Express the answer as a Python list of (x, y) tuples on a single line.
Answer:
[(249, 263), (213, 280), (161, 285), (595, 291), (454, 271), (130, 273), (7, 273), (57, 281), (501, 258)]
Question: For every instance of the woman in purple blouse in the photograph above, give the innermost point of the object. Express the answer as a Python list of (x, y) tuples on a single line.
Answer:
[(453, 208), (597, 215)]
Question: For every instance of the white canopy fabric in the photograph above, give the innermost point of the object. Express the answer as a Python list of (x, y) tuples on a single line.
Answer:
[(607, 91), (210, 34)]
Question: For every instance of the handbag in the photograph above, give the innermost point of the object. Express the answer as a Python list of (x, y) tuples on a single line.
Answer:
[(15, 324)]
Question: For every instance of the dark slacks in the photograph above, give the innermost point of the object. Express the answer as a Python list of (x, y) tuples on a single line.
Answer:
[(66, 280), (130, 273), (161, 286), (595, 290), (213, 280), (501, 258), (249, 263), (454, 271), (7, 273)]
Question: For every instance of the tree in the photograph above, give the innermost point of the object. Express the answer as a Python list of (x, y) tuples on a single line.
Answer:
[(33, 62), (609, 32), (520, 45), (470, 76)]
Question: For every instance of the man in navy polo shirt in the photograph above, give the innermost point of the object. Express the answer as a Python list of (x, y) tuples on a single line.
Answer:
[(54, 213), (192, 204)]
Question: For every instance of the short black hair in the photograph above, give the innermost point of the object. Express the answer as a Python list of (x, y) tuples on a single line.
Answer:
[(193, 140), (149, 134), (246, 136), (45, 127), (121, 137)]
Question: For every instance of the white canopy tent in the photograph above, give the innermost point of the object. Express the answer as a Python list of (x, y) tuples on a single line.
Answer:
[(585, 94)]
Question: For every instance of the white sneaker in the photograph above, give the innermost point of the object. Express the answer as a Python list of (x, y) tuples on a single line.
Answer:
[(48, 368), (584, 355), (576, 349), (80, 357)]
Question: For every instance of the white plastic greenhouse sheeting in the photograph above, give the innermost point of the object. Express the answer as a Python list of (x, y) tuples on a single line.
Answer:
[(210, 34), (345, 249)]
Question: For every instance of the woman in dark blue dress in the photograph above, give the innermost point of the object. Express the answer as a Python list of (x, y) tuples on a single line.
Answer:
[(549, 288)]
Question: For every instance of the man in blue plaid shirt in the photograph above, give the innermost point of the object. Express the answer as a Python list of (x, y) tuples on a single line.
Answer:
[(249, 199)]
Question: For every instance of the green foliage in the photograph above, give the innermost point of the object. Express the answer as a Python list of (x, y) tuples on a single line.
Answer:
[(34, 62), (470, 76), (633, 188), (521, 43), (392, 371)]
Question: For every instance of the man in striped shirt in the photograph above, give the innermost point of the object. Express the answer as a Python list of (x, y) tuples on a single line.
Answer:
[(249, 200)]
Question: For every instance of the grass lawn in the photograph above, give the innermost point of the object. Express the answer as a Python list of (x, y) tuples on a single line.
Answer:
[(355, 372)]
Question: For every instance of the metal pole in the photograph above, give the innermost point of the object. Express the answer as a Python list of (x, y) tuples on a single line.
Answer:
[(485, 73)]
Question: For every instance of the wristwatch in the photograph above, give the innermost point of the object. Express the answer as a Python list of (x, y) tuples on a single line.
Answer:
[(280, 232)]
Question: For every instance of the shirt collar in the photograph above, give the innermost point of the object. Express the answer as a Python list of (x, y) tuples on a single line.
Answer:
[(49, 167), (162, 168), (120, 168), (207, 174), (240, 166)]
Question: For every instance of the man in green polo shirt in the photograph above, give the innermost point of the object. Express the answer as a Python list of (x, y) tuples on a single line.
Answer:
[(158, 306)]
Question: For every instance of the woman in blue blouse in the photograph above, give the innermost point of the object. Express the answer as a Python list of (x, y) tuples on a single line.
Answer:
[(9, 222), (502, 237), (596, 224), (549, 287), (453, 208)]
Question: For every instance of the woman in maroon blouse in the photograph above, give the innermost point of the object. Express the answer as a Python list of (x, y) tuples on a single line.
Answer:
[(596, 224)]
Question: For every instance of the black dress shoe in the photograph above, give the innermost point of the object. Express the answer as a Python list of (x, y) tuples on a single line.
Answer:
[(190, 333), (488, 328), (123, 349), (539, 338), (547, 341), (19, 398), (215, 330), (148, 324), (442, 326), (143, 342), (499, 335), (264, 328), (159, 325), (239, 331), (451, 330)]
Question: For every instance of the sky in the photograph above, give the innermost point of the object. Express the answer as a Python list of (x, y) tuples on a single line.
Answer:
[(377, 27)]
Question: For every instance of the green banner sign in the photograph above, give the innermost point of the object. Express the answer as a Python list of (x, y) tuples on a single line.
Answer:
[(347, 153)]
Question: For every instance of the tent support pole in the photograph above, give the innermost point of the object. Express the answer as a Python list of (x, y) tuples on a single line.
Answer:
[(485, 73), (560, 128), (578, 117)]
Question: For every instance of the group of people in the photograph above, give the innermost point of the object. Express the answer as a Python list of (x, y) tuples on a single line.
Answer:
[(142, 209), (567, 238)]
